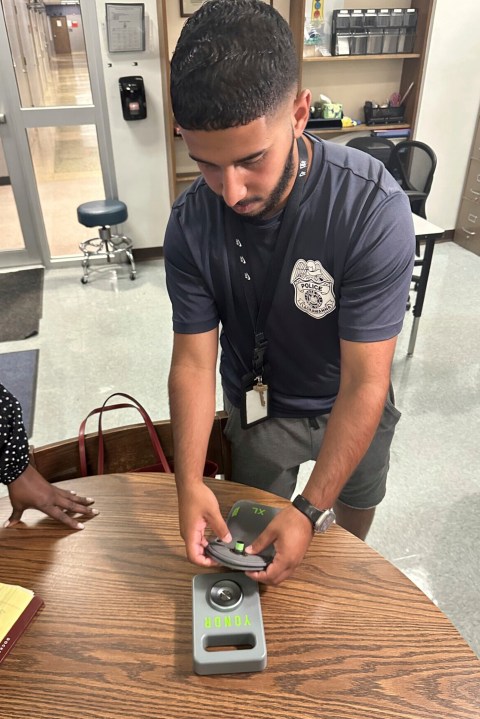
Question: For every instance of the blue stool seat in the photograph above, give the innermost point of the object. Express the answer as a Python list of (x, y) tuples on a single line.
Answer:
[(102, 212)]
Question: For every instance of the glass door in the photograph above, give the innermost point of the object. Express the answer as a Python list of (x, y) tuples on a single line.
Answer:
[(11, 236), (52, 97), (16, 222)]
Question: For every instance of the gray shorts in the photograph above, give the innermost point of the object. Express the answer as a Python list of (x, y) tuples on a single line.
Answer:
[(268, 455)]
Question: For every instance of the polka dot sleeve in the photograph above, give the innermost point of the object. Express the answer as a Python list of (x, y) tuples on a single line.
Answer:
[(13, 438)]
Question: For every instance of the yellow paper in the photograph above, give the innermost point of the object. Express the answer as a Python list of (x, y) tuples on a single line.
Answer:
[(13, 602)]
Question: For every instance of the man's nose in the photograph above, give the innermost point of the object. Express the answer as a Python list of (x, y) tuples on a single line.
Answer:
[(233, 186)]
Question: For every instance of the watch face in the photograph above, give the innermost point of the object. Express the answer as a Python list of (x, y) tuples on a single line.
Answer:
[(325, 520)]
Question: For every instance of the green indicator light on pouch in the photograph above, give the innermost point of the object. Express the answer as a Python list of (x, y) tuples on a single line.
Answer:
[(239, 547)]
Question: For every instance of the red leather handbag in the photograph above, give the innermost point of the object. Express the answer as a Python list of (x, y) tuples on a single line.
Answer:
[(160, 465)]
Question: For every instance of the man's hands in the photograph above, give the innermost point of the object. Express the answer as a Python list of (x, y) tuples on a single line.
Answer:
[(198, 509), (31, 491), (291, 533)]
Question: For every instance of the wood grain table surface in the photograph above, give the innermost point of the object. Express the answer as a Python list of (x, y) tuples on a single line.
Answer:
[(348, 637)]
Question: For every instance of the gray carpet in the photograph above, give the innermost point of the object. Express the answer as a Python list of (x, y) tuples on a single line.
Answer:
[(18, 373), (21, 298)]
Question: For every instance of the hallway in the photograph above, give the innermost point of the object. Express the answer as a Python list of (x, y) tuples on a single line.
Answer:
[(65, 159)]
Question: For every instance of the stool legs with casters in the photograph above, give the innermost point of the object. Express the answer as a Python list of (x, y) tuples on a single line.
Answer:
[(106, 245), (103, 214)]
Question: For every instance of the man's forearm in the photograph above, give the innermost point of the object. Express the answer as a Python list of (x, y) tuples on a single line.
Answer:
[(192, 409), (351, 427)]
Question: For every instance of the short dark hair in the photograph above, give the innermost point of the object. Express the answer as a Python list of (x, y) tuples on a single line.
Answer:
[(235, 61)]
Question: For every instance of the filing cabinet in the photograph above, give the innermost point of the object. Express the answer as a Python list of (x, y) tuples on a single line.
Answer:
[(467, 228), (472, 184), (476, 143)]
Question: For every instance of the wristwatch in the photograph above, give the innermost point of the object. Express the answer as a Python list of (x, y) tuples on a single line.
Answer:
[(321, 519)]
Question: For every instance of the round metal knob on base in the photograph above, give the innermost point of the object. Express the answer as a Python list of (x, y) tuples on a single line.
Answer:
[(226, 594)]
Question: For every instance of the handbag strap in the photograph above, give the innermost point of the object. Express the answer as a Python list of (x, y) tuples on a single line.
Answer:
[(133, 403)]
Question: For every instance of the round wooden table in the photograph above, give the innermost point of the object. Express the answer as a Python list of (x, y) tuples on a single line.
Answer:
[(348, 636)]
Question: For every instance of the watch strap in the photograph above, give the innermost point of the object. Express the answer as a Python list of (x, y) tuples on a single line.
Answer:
[(305, 507), (321, 519)]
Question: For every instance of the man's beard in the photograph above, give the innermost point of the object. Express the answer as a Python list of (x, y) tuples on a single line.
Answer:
[(278, 191)]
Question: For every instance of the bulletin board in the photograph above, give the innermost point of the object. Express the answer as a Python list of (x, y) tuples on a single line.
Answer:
[(125, 27)]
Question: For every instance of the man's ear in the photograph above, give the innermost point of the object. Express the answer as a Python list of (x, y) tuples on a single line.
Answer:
[(301, 111)]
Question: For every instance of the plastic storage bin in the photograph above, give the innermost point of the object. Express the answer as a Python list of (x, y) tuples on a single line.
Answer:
[(374, 41), (382, 31), (383, 115)]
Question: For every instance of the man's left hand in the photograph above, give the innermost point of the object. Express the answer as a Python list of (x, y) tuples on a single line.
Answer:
[(291, 533)]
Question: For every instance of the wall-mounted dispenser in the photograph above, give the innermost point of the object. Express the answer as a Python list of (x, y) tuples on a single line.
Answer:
[(132, 93)]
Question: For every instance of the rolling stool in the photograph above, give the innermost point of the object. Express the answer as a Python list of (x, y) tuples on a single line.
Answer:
[(103, 214)]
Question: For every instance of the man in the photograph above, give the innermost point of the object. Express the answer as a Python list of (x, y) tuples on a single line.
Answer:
[(26, 487), (303, 250)]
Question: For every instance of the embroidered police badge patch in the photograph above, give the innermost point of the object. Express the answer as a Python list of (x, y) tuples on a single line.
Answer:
[(313, 288)]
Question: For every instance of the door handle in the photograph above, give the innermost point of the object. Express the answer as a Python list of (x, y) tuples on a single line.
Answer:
[(3, 119), (467, 232)]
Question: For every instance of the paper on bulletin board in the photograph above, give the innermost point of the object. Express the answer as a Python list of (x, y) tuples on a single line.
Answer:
[(125, 27)]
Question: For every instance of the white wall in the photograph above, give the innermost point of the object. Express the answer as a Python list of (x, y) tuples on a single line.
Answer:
[(75, 33), (139, 147), (449, 103)]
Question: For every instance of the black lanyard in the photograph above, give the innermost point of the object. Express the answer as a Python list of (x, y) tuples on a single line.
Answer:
[(235, 231)]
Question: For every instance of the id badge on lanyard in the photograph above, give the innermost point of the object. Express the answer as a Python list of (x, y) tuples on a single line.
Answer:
[(255, 406), (255, 401)]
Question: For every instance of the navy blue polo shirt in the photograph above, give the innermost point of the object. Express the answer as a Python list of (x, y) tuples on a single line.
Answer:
[(346, 275)]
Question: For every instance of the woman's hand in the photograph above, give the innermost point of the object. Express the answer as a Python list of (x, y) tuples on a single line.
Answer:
[(31, 491)]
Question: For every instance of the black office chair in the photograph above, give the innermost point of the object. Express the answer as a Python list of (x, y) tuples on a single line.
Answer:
[(379, 147), (412, 164)]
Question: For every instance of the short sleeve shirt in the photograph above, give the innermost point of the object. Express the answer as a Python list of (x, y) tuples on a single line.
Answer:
[(346, 275), (13, 438)]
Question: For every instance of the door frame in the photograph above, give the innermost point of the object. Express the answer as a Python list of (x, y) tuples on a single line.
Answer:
[(17, 150)]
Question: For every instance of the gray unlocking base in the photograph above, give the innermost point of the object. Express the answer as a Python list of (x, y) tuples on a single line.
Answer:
[(228, 635)]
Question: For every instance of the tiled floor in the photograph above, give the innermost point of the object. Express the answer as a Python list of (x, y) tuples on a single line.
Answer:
[(114, 334)]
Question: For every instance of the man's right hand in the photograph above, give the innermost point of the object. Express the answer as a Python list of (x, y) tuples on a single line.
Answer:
[(198, 509)]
